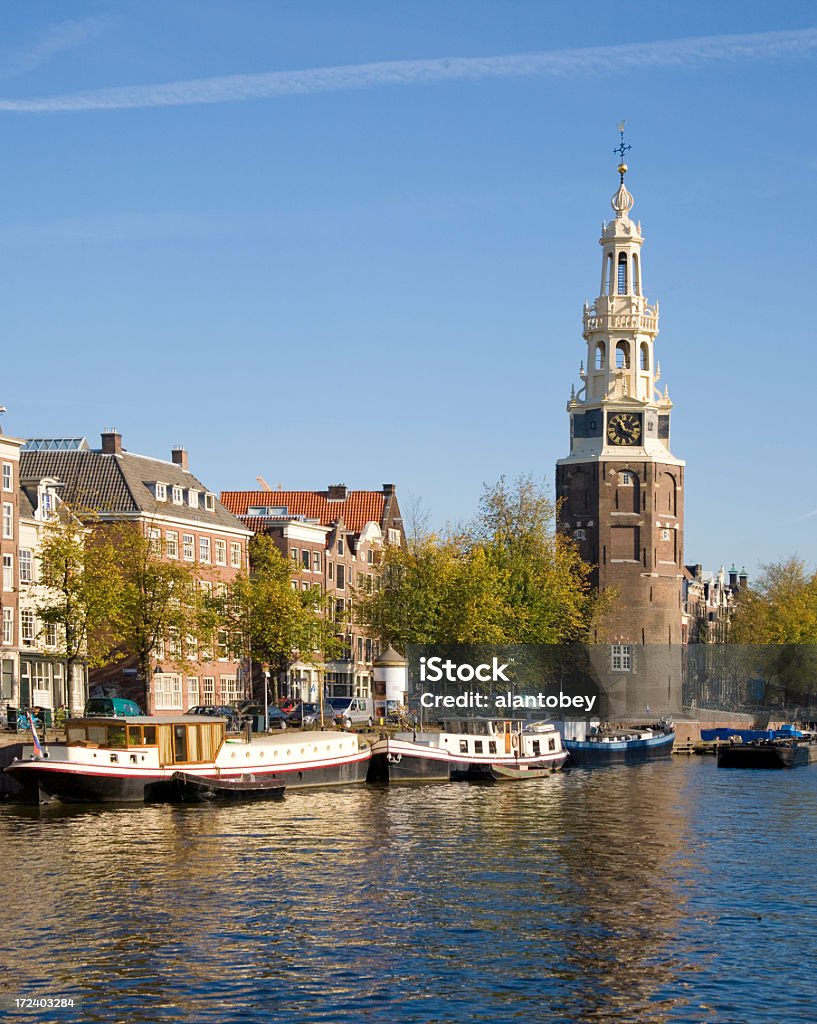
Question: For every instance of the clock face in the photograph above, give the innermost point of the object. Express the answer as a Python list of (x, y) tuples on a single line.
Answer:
[(624, 428)]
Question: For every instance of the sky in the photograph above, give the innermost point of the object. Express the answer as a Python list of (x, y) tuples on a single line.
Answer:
[(350, 243)]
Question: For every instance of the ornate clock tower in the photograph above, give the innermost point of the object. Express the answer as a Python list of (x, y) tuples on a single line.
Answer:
[(621, 488)]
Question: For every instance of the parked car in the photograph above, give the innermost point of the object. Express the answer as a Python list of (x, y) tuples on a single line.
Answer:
[(107, 707), (232, 715), (308, 715), (276, 719), (351, 711)]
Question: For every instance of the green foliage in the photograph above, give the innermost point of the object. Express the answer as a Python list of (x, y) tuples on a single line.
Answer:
[(78, 574), (777, 621), (508, 577), (270, 620)]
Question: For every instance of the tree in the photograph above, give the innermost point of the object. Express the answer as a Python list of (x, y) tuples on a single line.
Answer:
[(508, 577), (777, 618), (78, 571), (268, 620), (160, 602)]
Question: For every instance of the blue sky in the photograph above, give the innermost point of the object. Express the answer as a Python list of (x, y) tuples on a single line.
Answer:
[(325, 242)]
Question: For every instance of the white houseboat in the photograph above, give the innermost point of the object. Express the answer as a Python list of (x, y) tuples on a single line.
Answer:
[(116, 759), (473, 749)]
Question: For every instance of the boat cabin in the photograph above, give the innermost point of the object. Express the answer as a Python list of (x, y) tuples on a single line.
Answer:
[(479, 736), (185, 739)]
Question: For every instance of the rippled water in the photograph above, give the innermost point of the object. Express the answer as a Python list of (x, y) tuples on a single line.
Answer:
[(666, 892)]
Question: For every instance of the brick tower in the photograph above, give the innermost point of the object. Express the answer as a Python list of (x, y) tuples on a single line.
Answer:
[(621, 489)]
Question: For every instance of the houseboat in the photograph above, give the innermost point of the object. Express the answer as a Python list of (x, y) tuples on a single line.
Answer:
[(115, 759), (602, 745), (472, 749)]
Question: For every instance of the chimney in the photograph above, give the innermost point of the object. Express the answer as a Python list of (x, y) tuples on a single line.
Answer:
[(111, 441), (178, 456), (388, 489), (337, 492)]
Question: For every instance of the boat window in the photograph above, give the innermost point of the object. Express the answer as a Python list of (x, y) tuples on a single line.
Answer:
[(149, 732), (551, 744), (179, 743), (536, 749), (96, 733), (75, 733), (116, 736), (491, 746), (463, 746), (193, 743), (477, 746)]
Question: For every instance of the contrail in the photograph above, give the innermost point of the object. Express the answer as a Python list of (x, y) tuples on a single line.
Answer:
[(596, 61), (64, 36)]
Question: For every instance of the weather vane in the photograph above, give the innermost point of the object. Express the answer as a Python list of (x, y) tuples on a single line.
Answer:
[(621, 149)]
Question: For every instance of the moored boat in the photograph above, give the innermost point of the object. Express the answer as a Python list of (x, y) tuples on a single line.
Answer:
[(184, 787), (472, 750), (115, 759), (770, 754), (603, 745)]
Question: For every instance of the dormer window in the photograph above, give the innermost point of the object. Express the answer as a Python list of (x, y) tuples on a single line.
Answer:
[(46, 504), (210, 502), (178, 496), (193, 498), (161, 492)]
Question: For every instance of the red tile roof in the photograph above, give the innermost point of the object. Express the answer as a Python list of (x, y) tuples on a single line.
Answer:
[(359, 508)]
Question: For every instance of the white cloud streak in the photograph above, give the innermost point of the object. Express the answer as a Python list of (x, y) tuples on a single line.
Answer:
[(677, 54), (65, 36)]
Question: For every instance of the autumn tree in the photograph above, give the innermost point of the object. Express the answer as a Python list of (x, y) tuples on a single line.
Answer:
[(78, 589), (270, 621), (507, 577), (775, 623), (160, 603)]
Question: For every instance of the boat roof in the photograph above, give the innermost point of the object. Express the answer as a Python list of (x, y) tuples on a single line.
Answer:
[(145, 719)]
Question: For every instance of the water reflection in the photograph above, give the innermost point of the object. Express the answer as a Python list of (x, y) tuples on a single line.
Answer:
[(615, 895)]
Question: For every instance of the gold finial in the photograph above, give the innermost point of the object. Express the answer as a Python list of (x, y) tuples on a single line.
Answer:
[(621, 149)]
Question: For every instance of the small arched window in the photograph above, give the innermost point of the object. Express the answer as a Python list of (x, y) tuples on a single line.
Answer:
[(636, 282), (608, 288), (622, 356), (600, 352), (645, 356), (622, 273)]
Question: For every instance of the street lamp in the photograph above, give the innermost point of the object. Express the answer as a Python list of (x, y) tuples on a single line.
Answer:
[(265, 669)]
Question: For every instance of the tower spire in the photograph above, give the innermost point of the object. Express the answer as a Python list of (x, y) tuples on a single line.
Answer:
[(621, 149)]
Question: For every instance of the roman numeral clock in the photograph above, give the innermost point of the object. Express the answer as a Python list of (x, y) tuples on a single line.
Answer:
[(621, 488)]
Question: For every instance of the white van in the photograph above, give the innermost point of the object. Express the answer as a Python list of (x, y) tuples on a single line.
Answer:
[(351, 711)]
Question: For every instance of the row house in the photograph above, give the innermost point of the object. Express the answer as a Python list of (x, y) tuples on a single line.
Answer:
[(187, 522), (9, 552), (708, 603), (334, 539)]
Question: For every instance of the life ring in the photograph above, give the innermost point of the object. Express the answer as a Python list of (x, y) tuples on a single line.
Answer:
[(515, 742)]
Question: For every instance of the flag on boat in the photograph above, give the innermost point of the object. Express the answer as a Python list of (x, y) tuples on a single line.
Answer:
[(38, 749)]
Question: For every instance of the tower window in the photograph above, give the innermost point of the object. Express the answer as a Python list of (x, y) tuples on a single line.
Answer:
[(621, 657), (622, 356), (622, 274), (645, 356), (609, 288), (600, 356), (636, 288)]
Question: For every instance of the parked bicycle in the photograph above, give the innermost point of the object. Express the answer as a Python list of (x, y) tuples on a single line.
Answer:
[(24, 723)]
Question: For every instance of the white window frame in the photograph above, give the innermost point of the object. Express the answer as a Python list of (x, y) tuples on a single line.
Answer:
[(8, 521), (177, 494), (625, 478), (208, 689), (8, 625), (28, 627), (220, 551), (172, 544), (188, 547), (621, 657), (155, 540), (51, 634), (210, 501), (232, 691), (192, 497), (8, 476), (580, 533), (8, 572), (235, 554), (316, 561), (204, 550), (167, 691), (192, 691), (665, 534), (161, 492)]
